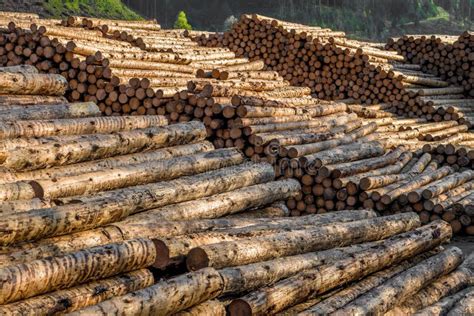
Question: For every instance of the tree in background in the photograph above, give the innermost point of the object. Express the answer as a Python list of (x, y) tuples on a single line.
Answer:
[(229, 22), (182, 22)]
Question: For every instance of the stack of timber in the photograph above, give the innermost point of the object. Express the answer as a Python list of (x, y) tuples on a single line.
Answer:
[(335, 67), (449, 57), (336, 264)]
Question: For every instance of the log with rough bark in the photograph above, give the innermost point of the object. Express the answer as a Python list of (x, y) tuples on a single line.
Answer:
[(296, 289), (54, 152), (174, 249), (32, 83), (78, 126), (74, 298), (444, 306), (209, 308), (464, 306), (115, 205), (135, 174), (46, 275), (402, 286), (246, 251), (341, 298), (8, 99), (444, 286), (53, 111), (164, 298)]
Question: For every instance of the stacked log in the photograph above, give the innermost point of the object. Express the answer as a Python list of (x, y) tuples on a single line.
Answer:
[(445, 56), (302, 277)]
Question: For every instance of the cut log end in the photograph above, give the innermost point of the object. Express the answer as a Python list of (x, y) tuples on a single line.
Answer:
[(197, 259), (162, 254), (239, 307)]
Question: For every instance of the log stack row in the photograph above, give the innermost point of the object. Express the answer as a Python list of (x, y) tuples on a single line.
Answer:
[(335, 67), (449, 57)]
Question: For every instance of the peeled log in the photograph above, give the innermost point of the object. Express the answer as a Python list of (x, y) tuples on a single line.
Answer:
[(71, 299), (103, 208), (352, 292), (41, 276), (178, 247), (227, 203), (444, 286), (403, 285), (110, 163), (136, 174), (91, 147), (31, 83), (209, 308), (255, 275), (164, 298), (293, 290), (446, 304), (53, 111), (245, 251), (78, 126)]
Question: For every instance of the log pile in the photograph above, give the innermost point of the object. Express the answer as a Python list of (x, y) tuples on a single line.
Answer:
[(335, 67)]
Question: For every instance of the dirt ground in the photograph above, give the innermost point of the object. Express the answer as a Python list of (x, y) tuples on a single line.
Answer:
[(465, 243)]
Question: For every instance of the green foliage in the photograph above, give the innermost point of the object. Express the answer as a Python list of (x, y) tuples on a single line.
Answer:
[(113, 9), (182, 22)]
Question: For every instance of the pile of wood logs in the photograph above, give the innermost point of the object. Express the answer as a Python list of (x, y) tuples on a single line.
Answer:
[(448, 57)]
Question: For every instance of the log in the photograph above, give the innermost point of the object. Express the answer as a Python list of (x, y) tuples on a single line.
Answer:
[(27, 69), (209, 308), (444, 286), (110, 163), (32, 83), (164, 298), (174, 249), (464, 306), (277, 209), (449, 182), (352, 292), (115, 205), (323, 278), (8, 99), (78, 126), (135, 174), (56, 111), (444, 306), (90, 147), (234, 253), (46, 275), (71, 299), (404, 285)]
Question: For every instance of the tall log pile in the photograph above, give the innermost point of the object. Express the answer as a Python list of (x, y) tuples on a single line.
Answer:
[(335, 67)]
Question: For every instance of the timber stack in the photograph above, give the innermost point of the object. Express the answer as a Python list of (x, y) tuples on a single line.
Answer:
[(335, 67)]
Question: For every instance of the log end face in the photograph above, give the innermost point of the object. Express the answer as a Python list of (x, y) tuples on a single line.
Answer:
[(197, 259), (239, 307), (162, 254), (37, 189)]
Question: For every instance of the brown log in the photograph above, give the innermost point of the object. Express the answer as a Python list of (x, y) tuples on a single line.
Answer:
[(56, 111), (32, 83), (209, 308), (444, 306), (8, 99)]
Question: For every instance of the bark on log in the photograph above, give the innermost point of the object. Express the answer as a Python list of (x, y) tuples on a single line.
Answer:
[(42, 276), (56, 111), (90, 147), (78, 126), (135, 174), (352, 292), (8, 99), (31, 83), (465, 306), (277, 209), (209, 308), (164, 298), (446, 304), (444, 286), (321, 279), (113, 206), (71, 299), (27, 69), (234, 253), (403, 285)]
